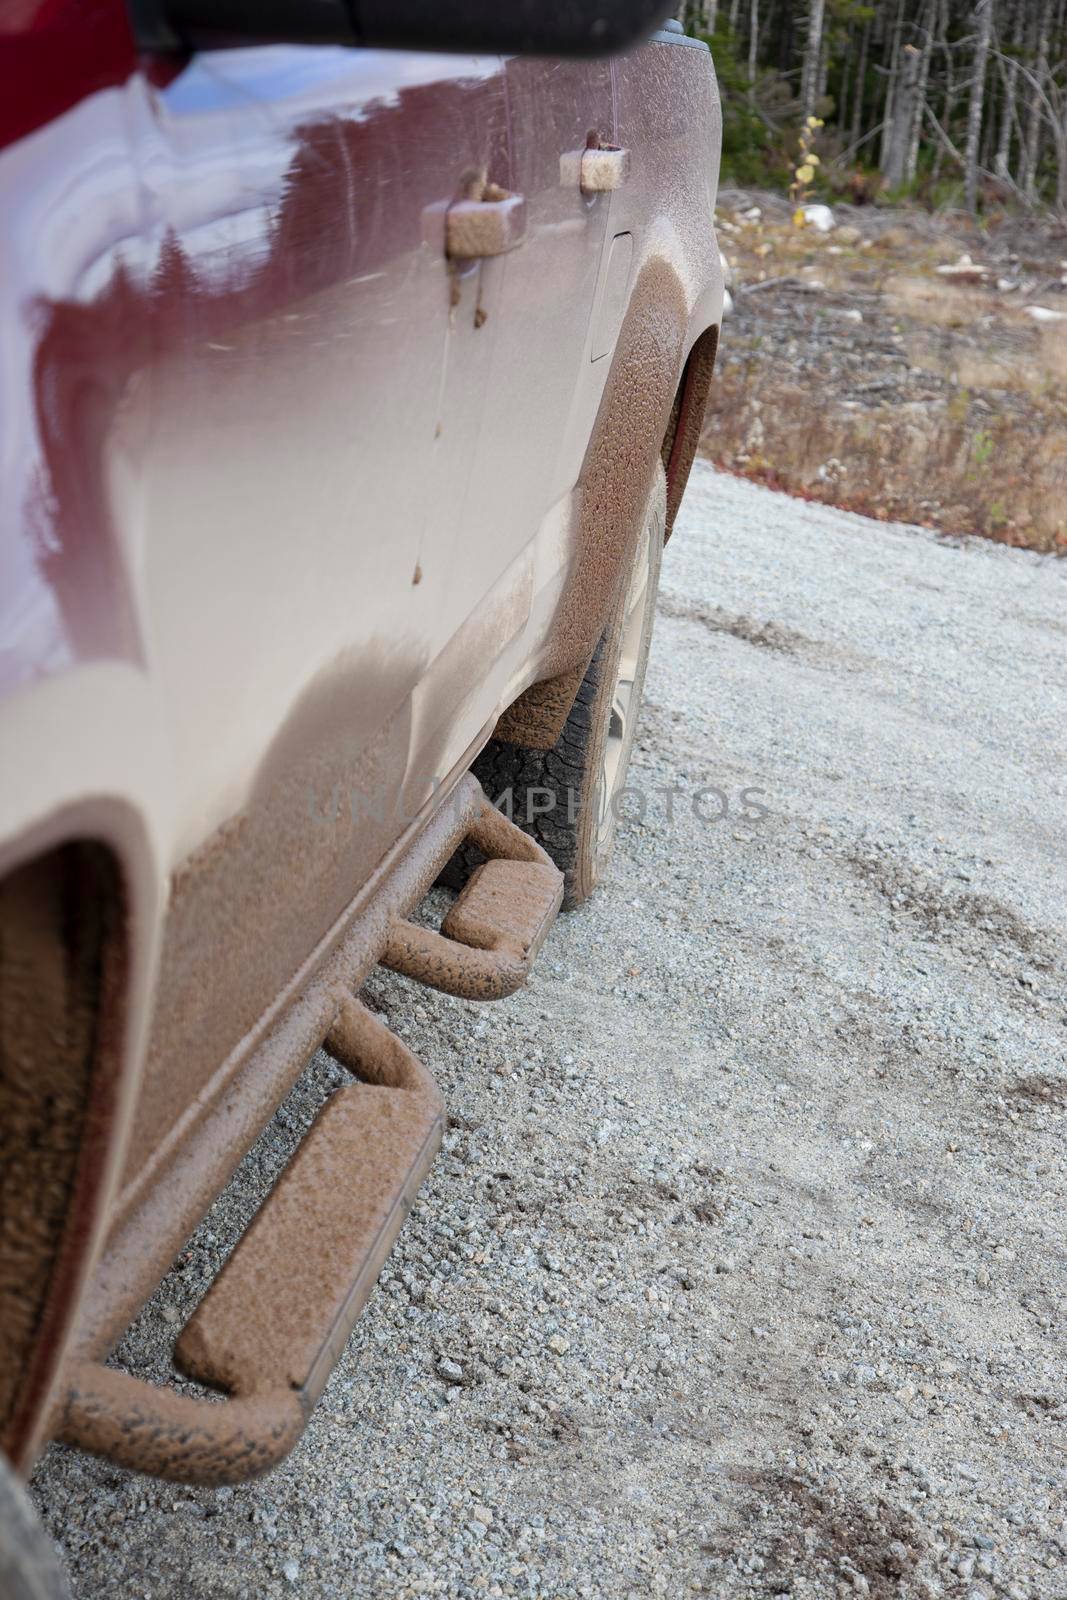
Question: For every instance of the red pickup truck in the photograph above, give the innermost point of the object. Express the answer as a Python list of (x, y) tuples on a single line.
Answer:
[(349, 395)]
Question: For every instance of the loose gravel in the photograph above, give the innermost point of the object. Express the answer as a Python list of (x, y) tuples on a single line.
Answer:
[(742, 1272)]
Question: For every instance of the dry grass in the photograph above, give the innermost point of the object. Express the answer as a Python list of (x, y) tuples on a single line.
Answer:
[(860, 375)]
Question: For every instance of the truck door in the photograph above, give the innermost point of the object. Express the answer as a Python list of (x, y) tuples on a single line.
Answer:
[(294, 457), (524, 318)]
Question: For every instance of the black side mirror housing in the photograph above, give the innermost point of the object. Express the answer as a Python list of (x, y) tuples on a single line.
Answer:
[(497, 27)]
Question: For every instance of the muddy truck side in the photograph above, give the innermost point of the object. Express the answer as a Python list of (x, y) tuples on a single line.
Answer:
[(349, 397)]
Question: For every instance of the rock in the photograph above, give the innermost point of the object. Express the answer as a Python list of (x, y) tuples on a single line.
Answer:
[(558, 1344), (963, 271), (819, 217), (483, 1515), (291, 1571), (849, 234), (450, 1371), (1043, 314)]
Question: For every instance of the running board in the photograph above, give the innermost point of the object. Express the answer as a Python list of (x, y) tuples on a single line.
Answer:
[(283, 1306), (273, 1325), (490, 936)]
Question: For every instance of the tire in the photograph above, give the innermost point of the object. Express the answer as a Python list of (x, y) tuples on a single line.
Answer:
[(29, 1567), (566, 797)]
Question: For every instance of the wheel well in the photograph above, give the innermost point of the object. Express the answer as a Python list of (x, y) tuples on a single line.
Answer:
[(687, 419), (62, 985), (643, 402)]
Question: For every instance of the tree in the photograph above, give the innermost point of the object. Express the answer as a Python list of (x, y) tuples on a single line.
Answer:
[(905, 102), (984, 19), (926, 30), (932, 94), (812, 58), (1042, 19)]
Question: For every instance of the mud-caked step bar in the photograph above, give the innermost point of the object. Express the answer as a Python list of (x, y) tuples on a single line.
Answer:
[(274, 1323), (490, 936)]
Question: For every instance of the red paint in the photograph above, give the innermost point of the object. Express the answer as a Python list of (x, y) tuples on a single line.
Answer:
[(55, 52)]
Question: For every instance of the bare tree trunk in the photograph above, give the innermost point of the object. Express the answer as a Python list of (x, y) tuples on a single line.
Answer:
[(987, 148), (698, 16), (753, 44), (861, 84), (734, 6), (984, 19), (841, 109), (809, 82), (949, 90), (904, 107), (1032, 145), (1002, 159), (926, 24), (891, 87)]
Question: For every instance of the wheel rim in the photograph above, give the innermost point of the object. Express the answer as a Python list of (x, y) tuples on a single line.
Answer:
[(613, 763)]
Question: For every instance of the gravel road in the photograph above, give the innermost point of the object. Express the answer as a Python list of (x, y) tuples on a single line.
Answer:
[(743, 1272)]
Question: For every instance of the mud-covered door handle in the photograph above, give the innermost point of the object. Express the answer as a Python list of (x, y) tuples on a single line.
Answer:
[(489, 226), (604, 169)]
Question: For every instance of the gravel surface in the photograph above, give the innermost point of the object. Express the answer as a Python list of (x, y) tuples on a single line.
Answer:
[(742, 1272)]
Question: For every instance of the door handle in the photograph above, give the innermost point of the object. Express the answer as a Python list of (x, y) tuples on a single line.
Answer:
[(489, 226), (597, 169), (604, 169)]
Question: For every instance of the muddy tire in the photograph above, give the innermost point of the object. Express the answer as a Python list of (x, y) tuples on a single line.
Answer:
[(567, 797), (29, 1568)]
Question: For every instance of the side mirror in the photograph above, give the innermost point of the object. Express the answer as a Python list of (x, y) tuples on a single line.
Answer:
[(496, 27)]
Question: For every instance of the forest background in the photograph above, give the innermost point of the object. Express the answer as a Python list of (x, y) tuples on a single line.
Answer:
[(893, 212)]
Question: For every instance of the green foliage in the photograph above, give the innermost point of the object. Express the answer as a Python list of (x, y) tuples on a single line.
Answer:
[(747, 156), (982, 446)]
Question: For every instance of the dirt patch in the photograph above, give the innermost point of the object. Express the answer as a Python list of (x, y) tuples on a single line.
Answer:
[(764, 635), (966, 919), (826, 1537), (1039, 1090)]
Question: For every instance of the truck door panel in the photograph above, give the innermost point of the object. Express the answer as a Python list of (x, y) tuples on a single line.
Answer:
[(526, 314), (276, 477)]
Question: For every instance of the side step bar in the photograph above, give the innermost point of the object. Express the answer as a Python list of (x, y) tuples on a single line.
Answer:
[(273, 1325)]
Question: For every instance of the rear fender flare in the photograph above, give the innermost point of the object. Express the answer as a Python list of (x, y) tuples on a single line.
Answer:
[(611, 495)]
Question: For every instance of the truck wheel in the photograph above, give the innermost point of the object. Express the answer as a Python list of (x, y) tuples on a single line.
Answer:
[(29, 1569), (568, 797)]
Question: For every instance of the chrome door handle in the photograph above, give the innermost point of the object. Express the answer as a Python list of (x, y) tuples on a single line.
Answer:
[(490, 226)]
